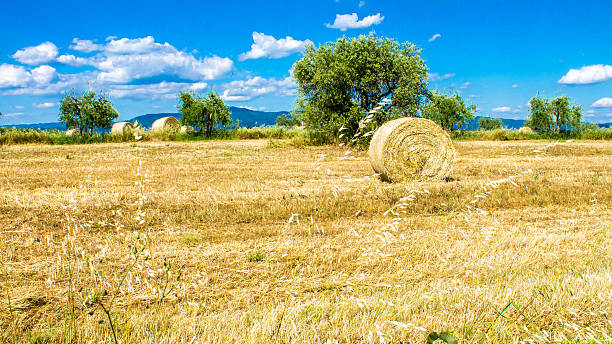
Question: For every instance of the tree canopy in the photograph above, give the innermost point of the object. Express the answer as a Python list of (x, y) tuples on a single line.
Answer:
[(547, 115), (87, 111), (487, 123), (204, 113), (339, 82), (448, 111)]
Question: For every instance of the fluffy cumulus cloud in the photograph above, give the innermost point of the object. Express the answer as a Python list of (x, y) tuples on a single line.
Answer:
[(36, 55), (19, 76), (605, 102), (163, 90), (244, 90), (344, 22), (438, 77), (587, 75), (85, 45), (72, 60), (270, 47), (434, 37)]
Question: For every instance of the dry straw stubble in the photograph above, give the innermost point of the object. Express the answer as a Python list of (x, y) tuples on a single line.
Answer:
[(411, 148)]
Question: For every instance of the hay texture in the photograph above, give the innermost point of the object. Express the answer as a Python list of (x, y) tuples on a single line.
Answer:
[(120, 128), (170, 124), (411, 148), (525, 130), (187, 129)]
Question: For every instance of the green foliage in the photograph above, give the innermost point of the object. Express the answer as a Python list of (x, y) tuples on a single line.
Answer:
[(551, 115), (204, 113), (87, 112), (448, 111), (339, 82), (485, 123), (288, 121), (446, 337)]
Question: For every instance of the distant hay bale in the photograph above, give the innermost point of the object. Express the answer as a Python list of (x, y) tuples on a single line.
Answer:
[(411, 148), (166, 124), (525, 130), (120, 128), (72, 132), (187, 129)]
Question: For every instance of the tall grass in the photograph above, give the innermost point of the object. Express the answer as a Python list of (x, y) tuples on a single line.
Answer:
[(297, 137)]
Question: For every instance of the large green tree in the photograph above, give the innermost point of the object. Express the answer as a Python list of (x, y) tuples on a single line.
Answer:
[(339, 82), (204, 113), (449, 112), (487, 123), (87, 111), (552, 115)]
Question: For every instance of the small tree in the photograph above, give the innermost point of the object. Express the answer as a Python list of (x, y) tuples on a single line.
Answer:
[(288, 121), (486, 123), (551, 115), (87, 112), (204, 113), (448, 112), (339, 82)]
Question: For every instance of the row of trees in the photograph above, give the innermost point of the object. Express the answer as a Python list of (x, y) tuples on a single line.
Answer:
[(339, 82), (89, 111)]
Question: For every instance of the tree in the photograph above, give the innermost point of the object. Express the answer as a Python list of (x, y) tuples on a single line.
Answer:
[(552, 115), (87, 111), (339, 82), (486, 123), (448, 111), (285, 121), (204, 113)]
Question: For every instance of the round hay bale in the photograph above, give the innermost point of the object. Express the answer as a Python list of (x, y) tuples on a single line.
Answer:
[(411, 148), (187, 129), (525, 130), (120, 128), (166, 124), (72, 132)]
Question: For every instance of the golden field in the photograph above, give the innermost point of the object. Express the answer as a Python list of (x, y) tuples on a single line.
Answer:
[(262, 242)]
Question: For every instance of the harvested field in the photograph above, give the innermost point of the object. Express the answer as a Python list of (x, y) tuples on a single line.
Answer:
[(280, 244)]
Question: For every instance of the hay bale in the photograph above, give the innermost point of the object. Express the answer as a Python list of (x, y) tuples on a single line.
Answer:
[(120, 128), (525, 130), (187, 129), (411, 148), (169, 123), (72, 132)]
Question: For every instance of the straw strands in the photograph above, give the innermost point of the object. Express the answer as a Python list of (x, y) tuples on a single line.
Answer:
[(411, 148), (120, 128), (166, 124)]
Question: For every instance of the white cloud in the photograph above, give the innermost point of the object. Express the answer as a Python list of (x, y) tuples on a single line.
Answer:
[(162, 90), (351, 21), (43, 75), (13, 114), (62, 82), (605, 102), (18, 76), (72, 60), (438, 77), (85, 45), (587, 75), (19, 107), (37, 55), (270, 47), (44, 105), (361, 3), (465, 85), (434, 37), (502, 109), (13, 76), (243, 90), (515, 86), (198, 86)]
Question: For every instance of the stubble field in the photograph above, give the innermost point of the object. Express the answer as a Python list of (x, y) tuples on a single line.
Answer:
[(259, 241)]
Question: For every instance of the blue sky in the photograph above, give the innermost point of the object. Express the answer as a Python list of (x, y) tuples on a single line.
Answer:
[(497, 54)]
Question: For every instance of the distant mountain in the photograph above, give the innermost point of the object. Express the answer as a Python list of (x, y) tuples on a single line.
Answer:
[(508, 123), (247, 118)]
